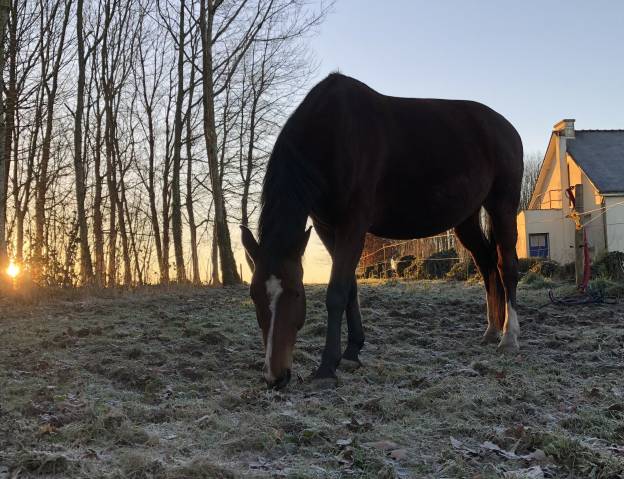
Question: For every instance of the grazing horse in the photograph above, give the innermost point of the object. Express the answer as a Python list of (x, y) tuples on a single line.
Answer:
[(357, 161)]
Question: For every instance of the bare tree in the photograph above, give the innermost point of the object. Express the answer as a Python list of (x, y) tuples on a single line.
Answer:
[(53, 37), (532, 164), (97, 144), (4, 159), (190, 209), (147, 83), (86, 267), (176, 203)]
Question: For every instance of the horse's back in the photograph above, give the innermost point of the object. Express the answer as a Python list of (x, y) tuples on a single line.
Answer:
[(410, 161)]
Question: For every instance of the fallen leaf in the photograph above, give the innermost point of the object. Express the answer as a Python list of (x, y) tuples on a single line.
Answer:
[(47, 428)]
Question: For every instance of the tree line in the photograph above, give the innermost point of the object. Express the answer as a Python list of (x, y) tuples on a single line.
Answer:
[(134, 132)]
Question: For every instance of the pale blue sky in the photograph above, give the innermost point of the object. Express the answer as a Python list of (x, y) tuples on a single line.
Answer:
[(535, 62)]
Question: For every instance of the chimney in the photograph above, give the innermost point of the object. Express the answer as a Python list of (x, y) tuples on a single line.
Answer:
[(565, 128)]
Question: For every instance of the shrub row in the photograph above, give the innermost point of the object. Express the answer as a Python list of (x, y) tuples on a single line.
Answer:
[(445, 264)]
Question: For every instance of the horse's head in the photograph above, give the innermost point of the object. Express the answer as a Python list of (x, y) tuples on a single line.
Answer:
[(278, 294)]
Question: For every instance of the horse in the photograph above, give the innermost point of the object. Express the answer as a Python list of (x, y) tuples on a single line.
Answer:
[(356, 161)]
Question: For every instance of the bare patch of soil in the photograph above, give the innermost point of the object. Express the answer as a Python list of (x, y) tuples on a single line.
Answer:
[(166, 383)]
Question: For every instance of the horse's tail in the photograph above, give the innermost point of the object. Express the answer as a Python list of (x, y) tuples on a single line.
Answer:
[(496, 291)]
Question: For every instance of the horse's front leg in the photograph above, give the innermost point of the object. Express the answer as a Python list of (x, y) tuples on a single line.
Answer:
[(348, 248)]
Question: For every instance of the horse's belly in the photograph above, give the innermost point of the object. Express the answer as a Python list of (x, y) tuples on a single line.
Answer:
[(406, 214)]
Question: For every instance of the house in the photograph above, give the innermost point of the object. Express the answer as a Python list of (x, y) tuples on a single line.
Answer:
[(592, 163)]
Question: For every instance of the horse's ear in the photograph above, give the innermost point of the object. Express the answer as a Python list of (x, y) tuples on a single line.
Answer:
[(304, 241), (249, 242)]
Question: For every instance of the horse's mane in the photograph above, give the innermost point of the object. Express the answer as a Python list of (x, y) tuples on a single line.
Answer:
[(293, 183), (292, 186)]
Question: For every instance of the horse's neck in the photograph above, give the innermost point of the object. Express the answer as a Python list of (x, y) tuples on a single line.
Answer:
[(282, 225)]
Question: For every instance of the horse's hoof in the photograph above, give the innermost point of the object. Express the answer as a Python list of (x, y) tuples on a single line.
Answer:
[(490, 337), (508, 344), (324, 372), (348, 364)]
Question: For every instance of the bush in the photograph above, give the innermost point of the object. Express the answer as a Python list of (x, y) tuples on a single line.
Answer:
[(436, 266), (607, 287), (525, 264), (547, 268), (535, 280), (462, 270), (610, 266), (403, 264), (566, 271)]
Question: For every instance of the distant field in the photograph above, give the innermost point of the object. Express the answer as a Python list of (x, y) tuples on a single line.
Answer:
[(166, 383)]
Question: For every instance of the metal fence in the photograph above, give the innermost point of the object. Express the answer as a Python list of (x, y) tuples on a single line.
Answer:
[(383, 252)]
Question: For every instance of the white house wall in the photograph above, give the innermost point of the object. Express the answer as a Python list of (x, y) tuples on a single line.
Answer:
[(615, 222), (545, 221)]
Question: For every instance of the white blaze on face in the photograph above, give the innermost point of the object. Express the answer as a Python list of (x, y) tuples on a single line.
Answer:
[(274, 290)]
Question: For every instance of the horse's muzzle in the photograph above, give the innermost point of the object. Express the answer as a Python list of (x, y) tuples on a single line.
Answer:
[(280, 382)]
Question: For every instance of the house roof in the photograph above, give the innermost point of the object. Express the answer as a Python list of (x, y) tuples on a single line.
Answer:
[(600, 153)]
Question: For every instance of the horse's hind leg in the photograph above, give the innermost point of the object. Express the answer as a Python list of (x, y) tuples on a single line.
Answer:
[(354, 323), (505, 233), (484, 254), (352, 312)]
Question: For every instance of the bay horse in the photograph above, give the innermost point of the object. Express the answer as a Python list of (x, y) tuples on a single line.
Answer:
[(357, 161)]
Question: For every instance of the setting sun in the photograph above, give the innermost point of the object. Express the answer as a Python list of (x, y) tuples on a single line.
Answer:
[(13, 270)]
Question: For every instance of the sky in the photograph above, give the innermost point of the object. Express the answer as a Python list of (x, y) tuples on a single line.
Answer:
[(535, 62)]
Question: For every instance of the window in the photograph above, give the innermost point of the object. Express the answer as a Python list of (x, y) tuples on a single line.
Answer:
[(538, 245)]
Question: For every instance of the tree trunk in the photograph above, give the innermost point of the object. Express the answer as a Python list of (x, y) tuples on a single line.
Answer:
[(176, 202), (98, 220), (249, 171), (123, 230), (189, 183), (111, 178), (162, 267), (214, 257), (165, 223), (4, 15), (42, 179), (86, 267), (228, 264)]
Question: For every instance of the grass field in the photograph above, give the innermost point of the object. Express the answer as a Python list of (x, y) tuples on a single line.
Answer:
[(166, 383)]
